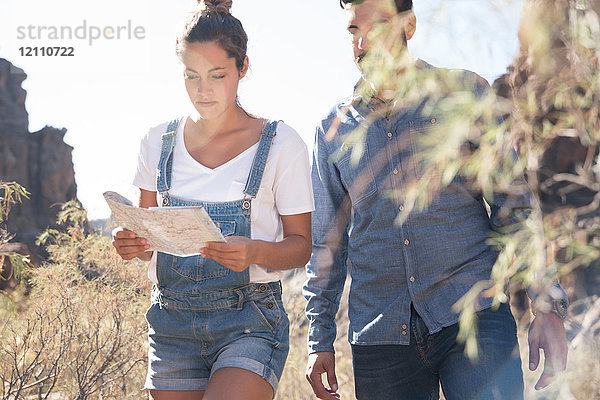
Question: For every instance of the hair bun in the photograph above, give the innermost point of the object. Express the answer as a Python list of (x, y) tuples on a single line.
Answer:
[(216, 6)]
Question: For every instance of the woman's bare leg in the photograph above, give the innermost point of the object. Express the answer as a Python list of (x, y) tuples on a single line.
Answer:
[(237, 383)]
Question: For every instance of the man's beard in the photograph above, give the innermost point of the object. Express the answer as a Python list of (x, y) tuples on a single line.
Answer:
[(360, 58)]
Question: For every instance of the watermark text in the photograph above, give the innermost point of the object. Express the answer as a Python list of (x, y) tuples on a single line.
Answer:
[(84, 31)]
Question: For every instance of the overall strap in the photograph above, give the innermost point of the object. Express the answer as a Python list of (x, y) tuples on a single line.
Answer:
[(165, 165), (260, 160)]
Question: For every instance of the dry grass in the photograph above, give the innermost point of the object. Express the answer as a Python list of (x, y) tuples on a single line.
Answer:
[(80, 333), (293, 384)]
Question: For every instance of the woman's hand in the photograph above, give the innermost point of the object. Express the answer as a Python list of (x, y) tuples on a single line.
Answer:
[(237, 254), (128, 245)]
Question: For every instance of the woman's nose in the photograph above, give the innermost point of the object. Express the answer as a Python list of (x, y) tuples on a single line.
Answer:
[(203, 87)]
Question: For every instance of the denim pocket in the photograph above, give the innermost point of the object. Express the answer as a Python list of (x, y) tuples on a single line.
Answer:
[(198, 268), (268, 311), (227, 227), (358, 178)]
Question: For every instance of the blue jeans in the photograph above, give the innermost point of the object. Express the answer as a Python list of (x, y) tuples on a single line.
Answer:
[(415, 371)]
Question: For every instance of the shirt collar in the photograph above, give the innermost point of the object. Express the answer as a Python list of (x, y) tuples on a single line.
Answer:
[(364, 103)]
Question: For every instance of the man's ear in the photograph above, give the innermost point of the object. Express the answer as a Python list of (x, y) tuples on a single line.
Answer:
[(411, 25), (244, 67)]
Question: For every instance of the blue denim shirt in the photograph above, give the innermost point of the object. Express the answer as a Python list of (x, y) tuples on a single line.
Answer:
[(431, 260)]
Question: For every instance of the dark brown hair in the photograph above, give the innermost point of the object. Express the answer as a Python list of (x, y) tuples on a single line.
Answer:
[(213, 22), (401, 5)]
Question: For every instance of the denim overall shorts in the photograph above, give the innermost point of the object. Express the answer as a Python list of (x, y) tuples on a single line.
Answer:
[(204, 316)]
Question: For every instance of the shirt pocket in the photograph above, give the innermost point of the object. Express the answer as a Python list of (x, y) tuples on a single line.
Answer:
[(357, 177), (418, 129), (236, 191)]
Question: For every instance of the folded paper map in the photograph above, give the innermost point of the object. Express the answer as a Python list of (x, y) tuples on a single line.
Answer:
[(181, 231)]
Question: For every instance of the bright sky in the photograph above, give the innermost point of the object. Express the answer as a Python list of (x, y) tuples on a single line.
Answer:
[(111, 91)]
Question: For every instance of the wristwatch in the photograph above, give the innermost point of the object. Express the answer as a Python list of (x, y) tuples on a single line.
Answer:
[(558, 306)]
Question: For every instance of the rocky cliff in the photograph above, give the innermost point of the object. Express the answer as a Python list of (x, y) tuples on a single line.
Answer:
[(40, 161)]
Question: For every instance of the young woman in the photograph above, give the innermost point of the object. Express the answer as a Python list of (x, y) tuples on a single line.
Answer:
[(217, 327)]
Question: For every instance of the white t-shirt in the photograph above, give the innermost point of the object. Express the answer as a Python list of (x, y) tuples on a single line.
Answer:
[(285, 188)]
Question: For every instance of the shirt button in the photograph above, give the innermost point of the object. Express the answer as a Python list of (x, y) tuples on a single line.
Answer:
[(401, 208), (404, 326), (412, 278), (403, 333), (390, 135), (345, 147), (395, 171), (433, 121), (407, 242)]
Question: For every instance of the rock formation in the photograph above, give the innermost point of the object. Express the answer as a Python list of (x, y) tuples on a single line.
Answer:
[(39, 161)]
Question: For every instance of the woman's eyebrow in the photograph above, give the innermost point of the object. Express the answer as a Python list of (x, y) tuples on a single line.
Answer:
[(211, 70)]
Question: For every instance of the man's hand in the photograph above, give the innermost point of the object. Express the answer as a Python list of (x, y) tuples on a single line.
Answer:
[(237, 254), (547, 332), (318, 364)]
